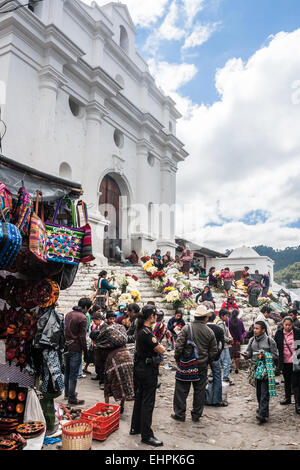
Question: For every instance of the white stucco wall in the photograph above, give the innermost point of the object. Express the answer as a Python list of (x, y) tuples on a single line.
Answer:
[(69, 49)]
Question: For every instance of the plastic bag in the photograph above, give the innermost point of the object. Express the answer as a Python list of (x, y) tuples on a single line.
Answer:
[(33, 409)]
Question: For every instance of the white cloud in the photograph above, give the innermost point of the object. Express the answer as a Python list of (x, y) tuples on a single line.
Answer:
[(168, 29), (144, 13), (170, 77), (244, 150), (192, 8), (200, 35), (178, 25)]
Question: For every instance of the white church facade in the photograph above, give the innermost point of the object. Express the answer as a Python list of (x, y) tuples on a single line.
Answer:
[(81, 104)]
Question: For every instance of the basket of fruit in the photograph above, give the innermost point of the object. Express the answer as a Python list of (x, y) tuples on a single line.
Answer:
[(104, 418)]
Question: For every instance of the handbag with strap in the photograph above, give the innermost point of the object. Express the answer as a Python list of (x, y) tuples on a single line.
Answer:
[(296, 365), (22, 210), (64, 244), (10, 242), (37, 235), (66, 277), (87, 251), (187, 367)]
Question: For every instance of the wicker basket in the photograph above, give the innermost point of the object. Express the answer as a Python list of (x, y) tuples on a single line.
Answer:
[(77, 434)]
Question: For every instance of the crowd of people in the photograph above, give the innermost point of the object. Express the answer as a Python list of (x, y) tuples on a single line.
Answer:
[(126, 348)]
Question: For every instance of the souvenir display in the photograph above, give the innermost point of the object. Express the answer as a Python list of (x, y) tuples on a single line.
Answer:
[(12, 442), (64, 244), (10, 242), (86, 252), (37, 235), (22, 210), (18, 327), (35, 263), (5, 201), (12, 406), (31, 429)]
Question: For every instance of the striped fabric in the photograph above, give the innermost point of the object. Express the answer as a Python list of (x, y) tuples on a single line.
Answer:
[(187, 369), (38, 238)]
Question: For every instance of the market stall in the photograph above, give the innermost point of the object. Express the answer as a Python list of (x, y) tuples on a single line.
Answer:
[(43, 239)]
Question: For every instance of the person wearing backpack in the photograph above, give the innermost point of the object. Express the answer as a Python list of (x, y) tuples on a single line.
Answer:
[(196, 347), (262, 350)]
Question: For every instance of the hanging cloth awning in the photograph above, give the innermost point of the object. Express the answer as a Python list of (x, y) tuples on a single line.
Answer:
[(13, 174)]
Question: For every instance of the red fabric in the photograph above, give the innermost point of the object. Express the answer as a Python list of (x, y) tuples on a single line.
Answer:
[(230, 306)]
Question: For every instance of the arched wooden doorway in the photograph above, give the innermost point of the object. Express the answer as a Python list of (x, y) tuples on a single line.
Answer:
[(110, 208)]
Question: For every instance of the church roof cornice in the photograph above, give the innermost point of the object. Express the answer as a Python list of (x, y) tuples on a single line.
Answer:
[(96, 25), (120, 7)]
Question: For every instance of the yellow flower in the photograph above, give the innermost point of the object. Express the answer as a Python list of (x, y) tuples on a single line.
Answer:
[(136, 295), (148, 264), (168, 289)]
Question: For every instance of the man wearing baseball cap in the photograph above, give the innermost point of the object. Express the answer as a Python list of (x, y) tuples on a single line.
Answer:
[(207, 350)]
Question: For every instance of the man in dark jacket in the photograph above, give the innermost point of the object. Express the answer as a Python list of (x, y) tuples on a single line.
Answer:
[(206, 344), (216, 366), (75, 337), (133, 310), (294, 316)]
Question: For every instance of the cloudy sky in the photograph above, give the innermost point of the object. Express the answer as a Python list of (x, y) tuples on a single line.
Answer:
[(233, 67)]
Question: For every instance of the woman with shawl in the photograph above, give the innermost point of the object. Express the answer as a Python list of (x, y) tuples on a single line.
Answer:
[(118, 371)]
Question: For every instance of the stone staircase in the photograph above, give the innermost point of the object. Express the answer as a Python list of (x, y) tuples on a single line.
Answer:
[(84, 286)]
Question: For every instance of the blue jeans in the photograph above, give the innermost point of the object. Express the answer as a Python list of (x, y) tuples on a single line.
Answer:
[(73, 361), (216, 369), (226, 360)]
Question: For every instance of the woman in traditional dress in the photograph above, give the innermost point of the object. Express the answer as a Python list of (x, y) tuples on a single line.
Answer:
[(118, 368)]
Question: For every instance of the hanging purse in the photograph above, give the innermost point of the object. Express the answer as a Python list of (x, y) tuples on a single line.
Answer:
[(64, 244), (37, 235), (187, 367), (10, 242), (67, 276), (5, 201), (22, 210), (87, 251)]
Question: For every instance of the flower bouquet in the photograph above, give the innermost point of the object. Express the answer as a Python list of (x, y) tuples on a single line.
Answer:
[(157, 284), (157, 274)]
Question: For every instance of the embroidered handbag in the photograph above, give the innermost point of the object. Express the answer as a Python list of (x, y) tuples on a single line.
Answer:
[(187, 367), (64, 244), (37, 235), (87, 251), (5, 201), (10, 242), (22, 210)]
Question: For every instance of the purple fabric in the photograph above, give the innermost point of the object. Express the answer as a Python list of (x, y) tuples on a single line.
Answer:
[(239, 333)]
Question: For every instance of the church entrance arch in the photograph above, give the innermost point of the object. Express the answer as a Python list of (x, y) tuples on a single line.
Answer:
[(112, 188)]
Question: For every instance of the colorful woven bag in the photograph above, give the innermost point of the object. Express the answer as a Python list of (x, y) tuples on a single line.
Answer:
[(5, 201), (87, 251), (37, 235), (64, 244), (187, 367), (10, 242), (22, 210)]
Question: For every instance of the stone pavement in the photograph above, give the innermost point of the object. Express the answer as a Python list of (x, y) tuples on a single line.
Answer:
[(232, 427)]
